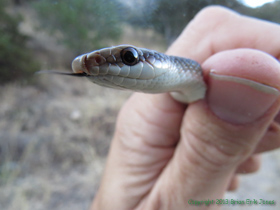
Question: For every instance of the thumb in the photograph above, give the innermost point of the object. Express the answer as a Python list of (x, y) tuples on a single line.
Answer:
[(221, 132)]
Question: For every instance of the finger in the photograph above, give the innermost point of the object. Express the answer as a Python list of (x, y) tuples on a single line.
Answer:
[(147, 131), (271, 139), (218, 136), (234, 183), (225, 29), (262, 72), (159, 116), (252, 164)]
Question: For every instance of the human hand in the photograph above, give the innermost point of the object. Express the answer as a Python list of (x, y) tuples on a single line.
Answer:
[(162, 154)]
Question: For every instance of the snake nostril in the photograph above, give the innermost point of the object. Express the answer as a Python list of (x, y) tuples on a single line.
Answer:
[(93, 60), (98, 60)]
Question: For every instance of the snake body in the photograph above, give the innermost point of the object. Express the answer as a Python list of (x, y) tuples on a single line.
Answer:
[(143, 70)]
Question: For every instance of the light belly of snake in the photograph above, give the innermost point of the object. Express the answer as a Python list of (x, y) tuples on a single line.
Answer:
[(143, 70)]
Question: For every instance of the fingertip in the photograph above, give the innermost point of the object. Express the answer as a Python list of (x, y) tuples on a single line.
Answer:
[(242, 84), (251, 165), (249, 64), (234, 183)]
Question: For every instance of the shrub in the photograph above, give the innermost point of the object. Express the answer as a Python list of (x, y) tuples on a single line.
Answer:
[(81, 25), (16, 61)]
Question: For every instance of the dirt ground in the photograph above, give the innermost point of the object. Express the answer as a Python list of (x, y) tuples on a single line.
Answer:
[(54, 138)]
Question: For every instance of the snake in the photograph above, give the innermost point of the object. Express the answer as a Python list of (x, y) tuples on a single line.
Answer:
[(128, 67)]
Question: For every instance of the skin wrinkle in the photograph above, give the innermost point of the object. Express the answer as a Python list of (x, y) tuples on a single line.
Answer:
[(136, 149), (215, 135), (159, 168), (198, 152), (157, 164), (231, 145), (170, 185), (199, 177), (130, 185), (169, 136), (144, 179), (158, 200), (235, 142), (126, 146), (204, 146), (131, 152), (136, 196)]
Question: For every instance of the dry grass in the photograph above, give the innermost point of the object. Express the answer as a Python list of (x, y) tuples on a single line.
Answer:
[(54, 140)]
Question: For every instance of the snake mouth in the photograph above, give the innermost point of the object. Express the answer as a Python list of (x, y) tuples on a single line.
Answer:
[(79, 64)]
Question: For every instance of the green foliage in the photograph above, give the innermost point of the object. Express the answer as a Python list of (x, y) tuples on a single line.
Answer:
[(170, 17), (82, 25), (16, 61), (270, 12)]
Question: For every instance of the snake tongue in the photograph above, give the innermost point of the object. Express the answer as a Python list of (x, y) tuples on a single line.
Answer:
[(78, 74)]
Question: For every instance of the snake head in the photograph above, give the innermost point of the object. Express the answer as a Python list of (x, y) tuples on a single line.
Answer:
[(123, 66)]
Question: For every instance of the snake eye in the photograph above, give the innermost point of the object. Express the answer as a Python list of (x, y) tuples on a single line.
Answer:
[(130, 56)]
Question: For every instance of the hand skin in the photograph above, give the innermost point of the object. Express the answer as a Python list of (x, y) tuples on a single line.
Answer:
[(164, 153)]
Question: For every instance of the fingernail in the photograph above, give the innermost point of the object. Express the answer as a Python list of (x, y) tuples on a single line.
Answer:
[(237, 100)]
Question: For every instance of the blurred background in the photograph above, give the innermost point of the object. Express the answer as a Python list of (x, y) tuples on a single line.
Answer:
[(55, 131)]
